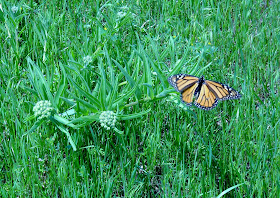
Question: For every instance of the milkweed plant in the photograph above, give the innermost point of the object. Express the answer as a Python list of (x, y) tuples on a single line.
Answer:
[(105, 106)]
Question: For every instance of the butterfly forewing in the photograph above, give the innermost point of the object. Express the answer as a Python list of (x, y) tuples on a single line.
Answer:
[(182, 82), (221, 91)]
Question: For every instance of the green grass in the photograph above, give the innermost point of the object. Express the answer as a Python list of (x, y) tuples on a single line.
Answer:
[(158, 148)]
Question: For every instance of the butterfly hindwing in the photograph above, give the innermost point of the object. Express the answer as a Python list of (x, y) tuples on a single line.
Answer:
[(206, 100), (187, 94)]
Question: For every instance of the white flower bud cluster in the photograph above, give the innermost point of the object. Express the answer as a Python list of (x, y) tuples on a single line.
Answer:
[(14, 9), (43, 109), (87, 60), (108, 119)]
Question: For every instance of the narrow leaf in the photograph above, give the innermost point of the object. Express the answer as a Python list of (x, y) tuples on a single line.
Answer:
[(92, 99), (229, 189), (34, 127), (64, 130), (129, 79)]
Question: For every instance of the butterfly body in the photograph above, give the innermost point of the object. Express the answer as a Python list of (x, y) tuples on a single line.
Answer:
[(206, 93), (201, 81)]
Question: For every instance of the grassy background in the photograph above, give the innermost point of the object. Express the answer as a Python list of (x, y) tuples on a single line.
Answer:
[(134, 46)]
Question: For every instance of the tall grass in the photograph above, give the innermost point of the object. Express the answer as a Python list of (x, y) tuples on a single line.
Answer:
[(94, 57)]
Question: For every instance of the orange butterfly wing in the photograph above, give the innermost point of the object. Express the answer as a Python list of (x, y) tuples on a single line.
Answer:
[(187, 94), (206, 100), (182, 81), (186, 84), (222, 91), (211, 92), (207, 92)]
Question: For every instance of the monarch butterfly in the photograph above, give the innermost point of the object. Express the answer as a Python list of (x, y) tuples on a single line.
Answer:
[(207, 93)]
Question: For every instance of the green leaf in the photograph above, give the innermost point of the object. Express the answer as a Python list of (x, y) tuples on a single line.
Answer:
[(179, 65), (69, 112), (129, 79), (160, 75), (33, 91), (39, 82), (109, 63), (32, 117), (63, 121), (94, 101), (87, 119), (147, 75), (64, 130), (102, 92), (132, 116), (150, 89), (61, 87), (90, 106), (34, 127), (112, 95), (227, 190), (165, 93), (119, 101)]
